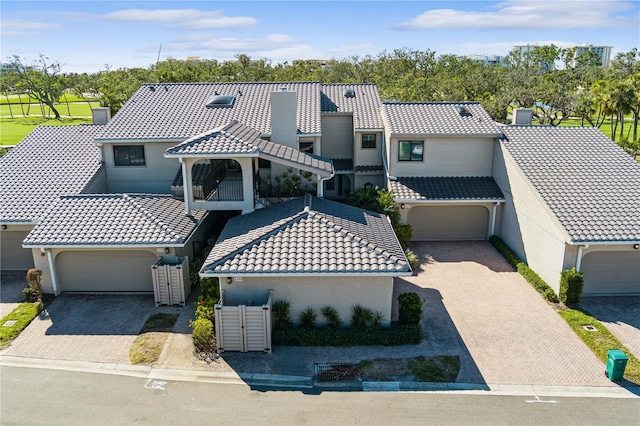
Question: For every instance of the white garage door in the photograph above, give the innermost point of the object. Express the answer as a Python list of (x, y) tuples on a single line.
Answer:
[(120, 271), (611, 272), (436, 223), (12, 255)]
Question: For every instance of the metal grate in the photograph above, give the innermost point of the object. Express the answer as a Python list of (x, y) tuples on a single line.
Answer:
[(337, 372)]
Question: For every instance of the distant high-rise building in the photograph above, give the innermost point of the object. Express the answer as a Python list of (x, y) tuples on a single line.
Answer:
[(604, 52), (487, 59)]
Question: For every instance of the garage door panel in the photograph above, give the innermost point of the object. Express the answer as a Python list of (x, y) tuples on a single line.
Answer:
[(449, 223), (12, 255), (105, 271), (611, 272)]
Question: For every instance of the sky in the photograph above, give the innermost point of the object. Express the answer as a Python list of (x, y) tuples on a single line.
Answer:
[(91, 35)]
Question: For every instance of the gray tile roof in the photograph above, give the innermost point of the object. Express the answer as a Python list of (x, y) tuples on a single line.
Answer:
[(591, 185), (343, 164), (178, 110), (236, 138), (115, 220), (439, 118), (365, 105), (307, 235), (446, 188), (49, 162), (369, 169)]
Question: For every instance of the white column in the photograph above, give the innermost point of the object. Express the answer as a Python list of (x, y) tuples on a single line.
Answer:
[(52, 272), (186, 186)]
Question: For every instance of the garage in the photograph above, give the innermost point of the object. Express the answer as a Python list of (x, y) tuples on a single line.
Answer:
[(611, 272), (105, 271), (12, 255), (434, 223)]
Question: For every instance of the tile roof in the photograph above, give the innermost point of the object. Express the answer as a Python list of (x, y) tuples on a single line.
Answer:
[(590, 184), (365, 105), (307, 235), (369, 169), (49, 162), (439, 118), (343, 164), (115, 219), (236, 138), (177, 111), (446, 188)]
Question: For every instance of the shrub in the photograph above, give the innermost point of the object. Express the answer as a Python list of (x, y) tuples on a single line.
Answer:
[(505, 251), (412, 258), (209, 292), (332, 316), (202, 334), (404, 233), (409, 308), (396, 334), (282, 313), (204, 311), (571, 283), (308, 318), (360, 316), (376, 319), (33, 281)]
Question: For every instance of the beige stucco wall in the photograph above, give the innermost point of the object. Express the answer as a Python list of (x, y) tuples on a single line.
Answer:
[(526, 223), (12, 255), (341, 292), (154, 177), (367, 156), (337, 135), (444, 157)]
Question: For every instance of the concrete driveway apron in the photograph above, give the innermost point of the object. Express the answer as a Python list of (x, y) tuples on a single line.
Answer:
[(511, 333)]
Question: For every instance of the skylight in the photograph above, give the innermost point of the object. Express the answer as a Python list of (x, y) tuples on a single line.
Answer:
[(349, 93), (463, 110), (221, 101)]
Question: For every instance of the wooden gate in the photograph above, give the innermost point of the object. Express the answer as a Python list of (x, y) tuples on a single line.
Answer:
[(243, 328), (171, 284)]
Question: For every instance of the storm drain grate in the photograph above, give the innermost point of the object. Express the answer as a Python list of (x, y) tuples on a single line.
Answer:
[(336, 372), (10, 323), (589, 328)]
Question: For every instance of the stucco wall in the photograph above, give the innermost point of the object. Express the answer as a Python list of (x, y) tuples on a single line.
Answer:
[(444, 157), (342, 293), (367, 156), (12, 255), (337, 136)]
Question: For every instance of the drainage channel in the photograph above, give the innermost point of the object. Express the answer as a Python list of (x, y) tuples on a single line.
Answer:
[(325, 374)]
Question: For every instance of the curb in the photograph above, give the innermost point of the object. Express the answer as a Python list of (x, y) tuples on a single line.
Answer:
[(302, 382)]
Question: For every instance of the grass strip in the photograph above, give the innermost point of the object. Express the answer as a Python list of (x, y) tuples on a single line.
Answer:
[(600, 341), (23, 314), (147, 347)]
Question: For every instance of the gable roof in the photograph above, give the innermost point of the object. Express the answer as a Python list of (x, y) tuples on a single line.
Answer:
[(49, 162), (307, 235), (590, 184), (178, 111), (446, 188), (439, 119), (108, 220), (365, 104), (237, 139)]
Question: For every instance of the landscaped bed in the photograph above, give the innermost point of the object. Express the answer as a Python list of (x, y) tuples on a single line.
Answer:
[(148, 345)]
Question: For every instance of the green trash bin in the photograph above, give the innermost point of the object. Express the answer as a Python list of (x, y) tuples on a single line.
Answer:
[(616, 363)]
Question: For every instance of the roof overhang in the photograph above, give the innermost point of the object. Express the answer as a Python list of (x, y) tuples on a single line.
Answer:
[(603, 243), (454, 201), (102, 246), (99, 141), (305, 274), (446, 135), (213, 156)]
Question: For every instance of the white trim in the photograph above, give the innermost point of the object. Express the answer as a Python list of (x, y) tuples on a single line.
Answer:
[(579, 257), (186, 187), (305, 274), (8, 223), (470, 201), (211, 155), (138, 141), (603, 243), (101, 246), (52, 271)]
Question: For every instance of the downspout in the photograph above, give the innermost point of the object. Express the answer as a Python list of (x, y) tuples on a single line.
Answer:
[(185, 188), (493, 218), (321, 184), (52, 271), (580, 254)]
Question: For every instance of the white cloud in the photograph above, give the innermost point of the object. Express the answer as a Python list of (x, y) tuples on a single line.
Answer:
[(525, 14), (19, 28), (183, 18)]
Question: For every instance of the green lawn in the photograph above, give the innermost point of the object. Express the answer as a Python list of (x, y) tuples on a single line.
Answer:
[(13, 131), (77, 109), (15, 99)]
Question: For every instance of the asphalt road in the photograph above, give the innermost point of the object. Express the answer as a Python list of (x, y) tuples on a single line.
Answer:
[(31, 396)]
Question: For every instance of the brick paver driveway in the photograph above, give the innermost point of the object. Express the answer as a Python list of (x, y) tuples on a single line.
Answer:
[(511, 333), (95, 328)]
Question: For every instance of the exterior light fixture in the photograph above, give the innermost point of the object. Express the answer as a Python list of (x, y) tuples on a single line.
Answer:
[(636, 246), (167, 250), (4, 227), (229, 280), (402, 206)]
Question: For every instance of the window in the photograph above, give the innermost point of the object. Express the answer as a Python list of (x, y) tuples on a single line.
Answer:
[(306, 147), (128, 155), (410, 151), (221, 101), (330, 185), (368, 141)]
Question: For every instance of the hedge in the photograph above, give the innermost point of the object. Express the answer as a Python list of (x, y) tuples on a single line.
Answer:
[(396, 334)]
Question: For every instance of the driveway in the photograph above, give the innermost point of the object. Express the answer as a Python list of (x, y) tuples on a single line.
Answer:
[(621, 315), (94, 328), (11, 285), (512, 335)]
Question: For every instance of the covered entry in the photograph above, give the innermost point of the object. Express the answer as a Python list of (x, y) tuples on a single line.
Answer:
[(105, 270), (243, 326), (611, 272), (433, 223), (12, 255)]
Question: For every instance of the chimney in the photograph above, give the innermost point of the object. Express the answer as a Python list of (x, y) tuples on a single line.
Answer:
[(522, 116), (284, 124), (101, 115)]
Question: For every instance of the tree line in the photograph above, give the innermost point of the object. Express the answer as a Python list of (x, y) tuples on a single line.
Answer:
[(556, 83)]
